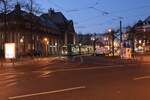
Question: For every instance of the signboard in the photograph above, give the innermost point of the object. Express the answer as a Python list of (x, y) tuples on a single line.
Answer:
[(10, 51), (127, 53)]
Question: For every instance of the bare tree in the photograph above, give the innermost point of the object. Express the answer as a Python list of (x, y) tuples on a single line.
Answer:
[(31, 6), (5, 7)]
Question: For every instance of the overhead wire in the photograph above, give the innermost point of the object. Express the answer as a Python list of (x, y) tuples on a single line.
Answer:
[(103, 12)]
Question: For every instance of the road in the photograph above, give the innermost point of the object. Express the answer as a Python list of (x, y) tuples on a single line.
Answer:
[(73, 81)]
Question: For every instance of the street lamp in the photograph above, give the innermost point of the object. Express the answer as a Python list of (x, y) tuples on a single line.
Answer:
[(21, 40), (45, 39), (113, 37), (80, 48), (109, 30), (46, 42), (94, 43), (56, 44), (140, 41)]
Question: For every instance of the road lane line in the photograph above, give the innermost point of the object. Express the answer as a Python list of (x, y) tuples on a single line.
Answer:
[(11, 84), (12, 73), (142, 77), (78, 69), (49, 92)]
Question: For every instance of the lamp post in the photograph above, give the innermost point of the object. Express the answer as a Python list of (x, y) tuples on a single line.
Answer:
[(80, 48), (56, 46), (22, 42), (113, 37), (94, 44), (46, 42)]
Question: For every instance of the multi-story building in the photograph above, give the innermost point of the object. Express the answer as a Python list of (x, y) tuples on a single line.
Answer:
[(142, 35), (45, 34)]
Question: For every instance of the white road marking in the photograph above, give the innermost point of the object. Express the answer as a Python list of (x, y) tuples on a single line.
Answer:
[(49, 92), (11, 84), (12, 73), (6, 74), (142, 77), (78, 69)]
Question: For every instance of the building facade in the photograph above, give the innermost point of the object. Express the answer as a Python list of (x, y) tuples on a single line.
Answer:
[(36, 35), (141, 35)]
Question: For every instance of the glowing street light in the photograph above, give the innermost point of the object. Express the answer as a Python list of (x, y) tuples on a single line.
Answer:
[(93, 38), (80, 44), (21, 40), (80, 48), (109, 30), (140, 41), (45, 39), (56, 44)]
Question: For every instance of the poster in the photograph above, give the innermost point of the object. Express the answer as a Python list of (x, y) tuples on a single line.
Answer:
[(10, 51)]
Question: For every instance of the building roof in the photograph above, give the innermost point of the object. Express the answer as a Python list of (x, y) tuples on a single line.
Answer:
[(59, 20), (52, 20), (46, 21), (147, 19), (56, 17)]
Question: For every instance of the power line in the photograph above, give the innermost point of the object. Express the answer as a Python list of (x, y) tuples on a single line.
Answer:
[(131, 9), (103, 12)]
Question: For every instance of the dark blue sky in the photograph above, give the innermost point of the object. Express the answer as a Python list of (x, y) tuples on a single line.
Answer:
[(99, 15)]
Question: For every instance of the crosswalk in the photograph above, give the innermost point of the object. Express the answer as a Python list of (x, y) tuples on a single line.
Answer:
[(8, 79)]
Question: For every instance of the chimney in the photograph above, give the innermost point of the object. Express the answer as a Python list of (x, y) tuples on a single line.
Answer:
[(51, 12), (17, 7)]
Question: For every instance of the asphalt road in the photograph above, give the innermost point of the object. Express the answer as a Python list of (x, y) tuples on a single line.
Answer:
[(76, 82)]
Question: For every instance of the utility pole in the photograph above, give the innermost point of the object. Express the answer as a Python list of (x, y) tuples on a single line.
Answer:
[(120, 31), (121, 48), (113, 47), (112, 34)]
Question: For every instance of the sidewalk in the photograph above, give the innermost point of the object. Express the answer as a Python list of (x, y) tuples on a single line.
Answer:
[(143, 58), (102, 60), (39, 62)]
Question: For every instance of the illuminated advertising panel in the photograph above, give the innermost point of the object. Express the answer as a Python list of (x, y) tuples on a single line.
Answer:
[(10, 51)]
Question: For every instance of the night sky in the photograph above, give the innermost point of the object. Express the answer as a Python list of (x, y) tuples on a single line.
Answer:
[(99, 15)]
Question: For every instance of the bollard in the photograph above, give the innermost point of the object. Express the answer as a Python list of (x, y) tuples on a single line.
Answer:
[(13, 62), (1, 63)]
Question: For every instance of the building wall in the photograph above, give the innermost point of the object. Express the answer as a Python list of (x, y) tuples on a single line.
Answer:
[(24, 39), (31, 34)]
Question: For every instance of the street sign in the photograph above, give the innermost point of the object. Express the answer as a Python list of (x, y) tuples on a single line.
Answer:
[(10, 52)]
